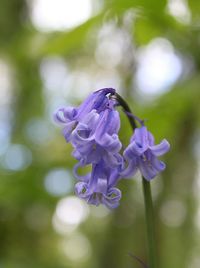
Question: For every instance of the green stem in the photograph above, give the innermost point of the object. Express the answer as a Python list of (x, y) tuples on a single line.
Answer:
[(149, 223), (147, 195)]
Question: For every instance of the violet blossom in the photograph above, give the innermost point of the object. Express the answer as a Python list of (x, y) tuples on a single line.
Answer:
[(92, 129), (142, 154), (99, 187), (68, 117), (96, 137)]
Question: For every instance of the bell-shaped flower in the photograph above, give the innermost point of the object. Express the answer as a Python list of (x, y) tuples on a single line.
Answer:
[(69, 117), (99, 187), (96, 137), (142, 154)]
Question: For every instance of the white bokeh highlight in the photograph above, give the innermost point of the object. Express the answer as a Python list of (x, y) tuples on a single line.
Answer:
[(59, 15), (159, 67), (70, 213), (17, 157), (77, 248), (58, 182), (5, 102), (179, 10), (38, 131)]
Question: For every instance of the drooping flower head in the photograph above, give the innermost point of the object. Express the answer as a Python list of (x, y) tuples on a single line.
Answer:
[(96, 137), (100, 188), (68, 117), (142, 154), (92, 129)]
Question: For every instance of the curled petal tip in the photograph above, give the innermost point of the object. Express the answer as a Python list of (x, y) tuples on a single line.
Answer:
[(161, 148)]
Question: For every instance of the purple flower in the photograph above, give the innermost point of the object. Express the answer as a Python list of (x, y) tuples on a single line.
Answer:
[(96, 137), (69, 117), (99, 186), (142, 154), (92, 129)]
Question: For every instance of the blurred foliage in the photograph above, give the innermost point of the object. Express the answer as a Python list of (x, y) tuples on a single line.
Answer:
[(27, 236)]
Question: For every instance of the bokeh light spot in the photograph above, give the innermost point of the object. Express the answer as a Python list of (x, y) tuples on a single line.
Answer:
[(194, 262), (17, 157), (159, 67), (4, 138), (70, 212), (50, 15), (77, 248), (100, 212), (58, 182), (54, 72), (38, 131), (179, 10), (173, 213)]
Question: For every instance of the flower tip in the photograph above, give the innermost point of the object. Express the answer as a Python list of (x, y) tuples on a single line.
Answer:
[(57, 116), (107, 90), (166, 145)]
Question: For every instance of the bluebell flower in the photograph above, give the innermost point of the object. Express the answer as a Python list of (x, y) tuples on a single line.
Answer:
[(92, 129), (96, 137), (142, 154), (69, 117), (99, 186)]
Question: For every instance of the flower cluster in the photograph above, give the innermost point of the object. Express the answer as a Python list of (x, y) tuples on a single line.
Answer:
[(92, 129)]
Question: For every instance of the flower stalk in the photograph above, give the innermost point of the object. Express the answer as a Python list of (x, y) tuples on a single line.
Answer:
[(147, 196), (92, 129), (149, 223)]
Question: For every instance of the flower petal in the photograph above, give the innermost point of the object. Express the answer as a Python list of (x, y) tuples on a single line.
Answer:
[(84, 178), (150, 139), (67, 130), (111, 200), (109, 143), (95, 155), (140, 137), (102, 185), (65, 114), (161, 148), (130, 170), (134, 149), (114, 177), (157, 164), (81, 135), (76, 154), (91, 119), (81, 190), (109, 123), (94, 199), (96, 100), (148, 171), (113, 160)]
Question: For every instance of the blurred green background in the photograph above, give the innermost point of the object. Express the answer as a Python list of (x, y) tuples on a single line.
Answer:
[(54, 52)]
